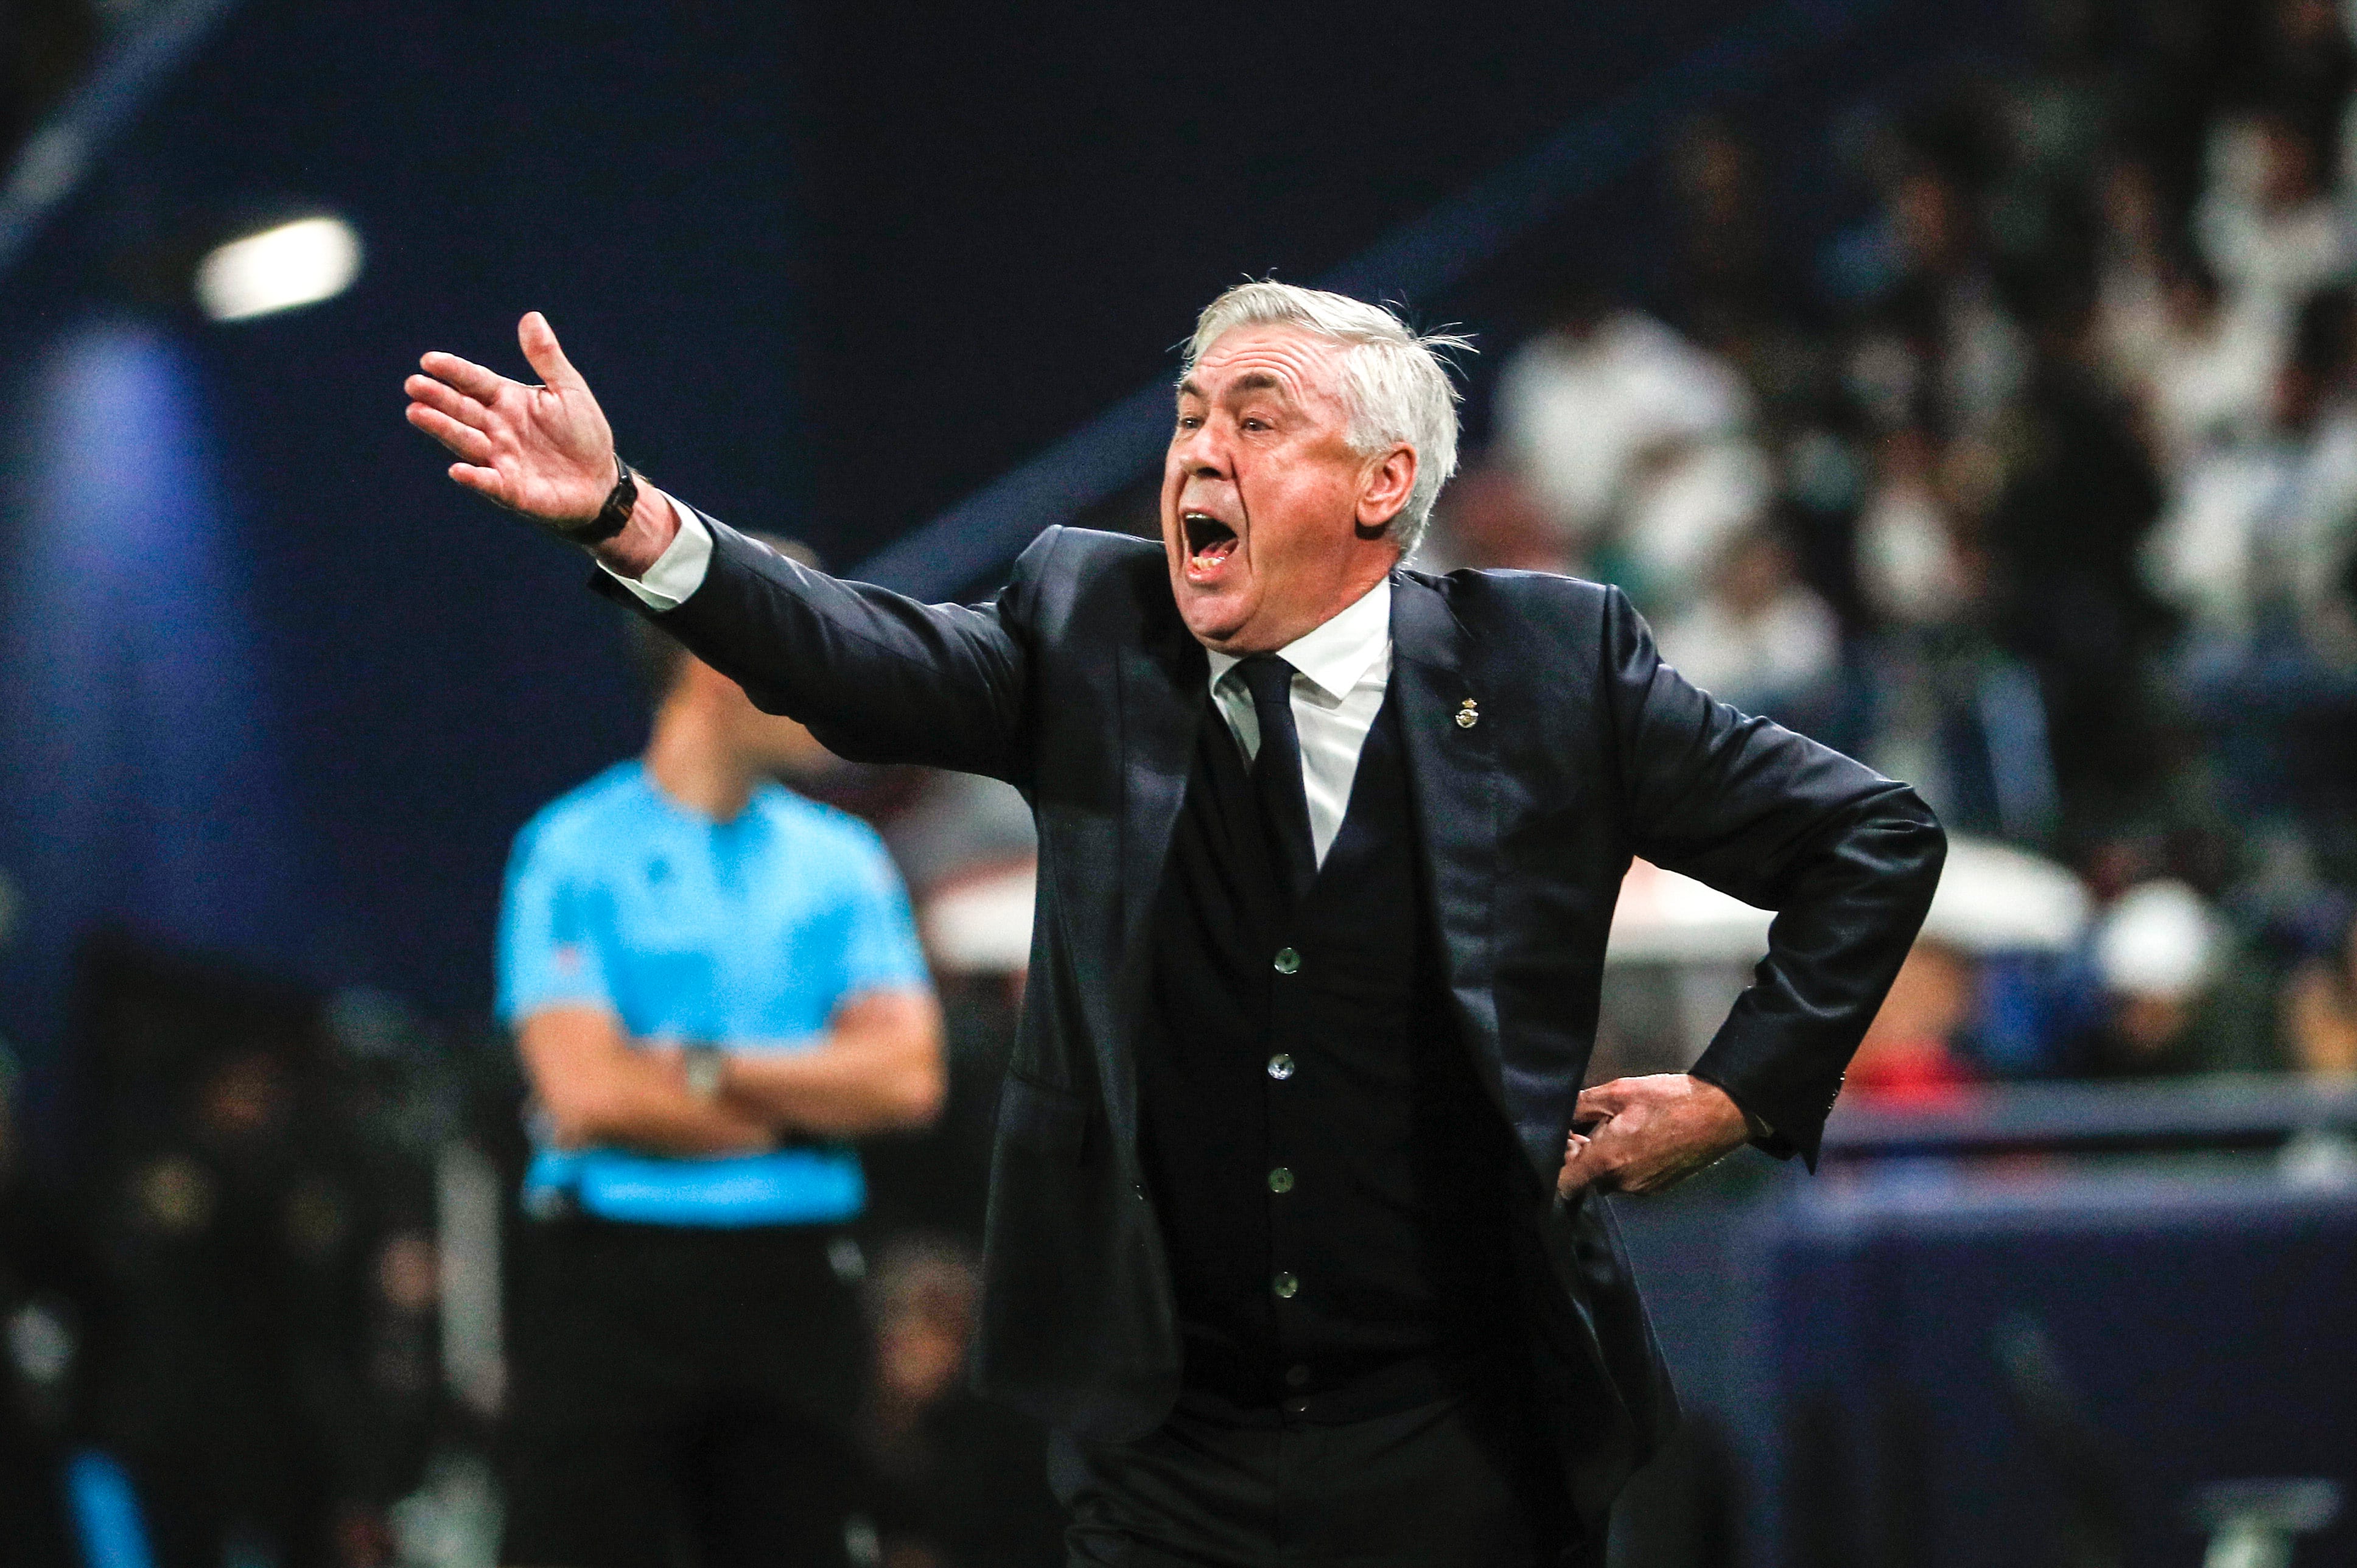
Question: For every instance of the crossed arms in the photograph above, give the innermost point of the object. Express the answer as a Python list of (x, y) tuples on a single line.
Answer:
[(879, 1068)]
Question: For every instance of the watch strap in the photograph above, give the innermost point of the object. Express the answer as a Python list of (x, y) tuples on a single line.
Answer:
[(615, 515)]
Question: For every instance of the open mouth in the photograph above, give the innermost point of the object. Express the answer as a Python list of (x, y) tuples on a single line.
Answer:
[(1208, 540)]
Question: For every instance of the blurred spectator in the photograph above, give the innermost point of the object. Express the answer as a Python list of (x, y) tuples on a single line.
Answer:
[(714, 985), (1760, 639), (2070, 498), (2210, 385), (966, 1482), (2258, 541), (2042, 133), (2320, 1010), (2267, 224), (2134, 267), (2017, 917), (1909, 1056), (1913, 568), (1633, 443), (2176, 996), (1938, 341)]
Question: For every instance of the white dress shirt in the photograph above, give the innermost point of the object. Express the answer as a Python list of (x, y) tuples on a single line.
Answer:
[(1341, 672), (679, 570)]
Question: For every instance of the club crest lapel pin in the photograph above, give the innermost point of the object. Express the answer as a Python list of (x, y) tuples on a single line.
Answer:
[(1470, 714)]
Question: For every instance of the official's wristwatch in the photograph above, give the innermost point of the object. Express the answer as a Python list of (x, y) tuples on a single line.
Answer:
[(615, 515), (704, 1067)]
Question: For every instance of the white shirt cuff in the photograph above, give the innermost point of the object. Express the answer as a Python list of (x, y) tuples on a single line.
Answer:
[(679, 571)]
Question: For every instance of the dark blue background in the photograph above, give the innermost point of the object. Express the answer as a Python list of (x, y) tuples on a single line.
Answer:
[(2198, 1323), (828, 274)]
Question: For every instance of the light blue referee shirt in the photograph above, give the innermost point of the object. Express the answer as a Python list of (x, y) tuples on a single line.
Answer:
[(745, 934)]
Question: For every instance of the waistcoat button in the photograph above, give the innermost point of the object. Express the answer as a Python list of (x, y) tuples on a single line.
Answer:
[(1287, 962)]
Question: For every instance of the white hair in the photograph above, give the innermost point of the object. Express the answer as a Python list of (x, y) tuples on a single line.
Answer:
[(1396, 385)]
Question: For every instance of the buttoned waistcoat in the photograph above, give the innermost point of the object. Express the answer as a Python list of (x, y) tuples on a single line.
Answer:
[(1546, 743)]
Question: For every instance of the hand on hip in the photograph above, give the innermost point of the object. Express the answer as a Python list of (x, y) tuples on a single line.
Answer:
[(1647, 1135)]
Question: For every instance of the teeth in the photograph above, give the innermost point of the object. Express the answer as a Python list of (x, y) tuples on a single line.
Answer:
[(1213, 552)]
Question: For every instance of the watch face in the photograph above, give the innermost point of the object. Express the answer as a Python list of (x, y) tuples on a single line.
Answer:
[(615, 515)]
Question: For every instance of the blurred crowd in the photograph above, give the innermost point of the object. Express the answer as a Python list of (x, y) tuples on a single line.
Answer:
[(258, 1321), (2037, 488)]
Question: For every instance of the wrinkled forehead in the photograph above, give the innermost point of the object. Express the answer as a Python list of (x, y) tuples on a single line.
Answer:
[(1296, 364)]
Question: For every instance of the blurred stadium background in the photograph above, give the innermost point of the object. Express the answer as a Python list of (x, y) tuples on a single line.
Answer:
[(1974, 387)]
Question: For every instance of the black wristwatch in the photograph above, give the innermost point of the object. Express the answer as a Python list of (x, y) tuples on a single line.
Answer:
[(615, 515)]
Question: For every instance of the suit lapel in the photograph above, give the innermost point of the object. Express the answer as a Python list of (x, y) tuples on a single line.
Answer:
[(1451, 784), (1163, 677)]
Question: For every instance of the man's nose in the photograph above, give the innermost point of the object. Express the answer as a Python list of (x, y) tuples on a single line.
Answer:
[(1202, 453)]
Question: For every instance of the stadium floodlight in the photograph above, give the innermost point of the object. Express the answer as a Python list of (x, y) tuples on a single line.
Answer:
[(295, 263)]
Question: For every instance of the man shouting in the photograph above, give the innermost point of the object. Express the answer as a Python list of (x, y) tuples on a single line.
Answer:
[(1291, 1238)]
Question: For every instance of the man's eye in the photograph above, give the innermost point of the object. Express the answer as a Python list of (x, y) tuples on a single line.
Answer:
[(1190, 422), (1252, 423)]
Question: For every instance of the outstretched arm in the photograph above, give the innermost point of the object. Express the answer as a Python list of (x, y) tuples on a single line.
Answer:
[(876, 676), (545, 451)]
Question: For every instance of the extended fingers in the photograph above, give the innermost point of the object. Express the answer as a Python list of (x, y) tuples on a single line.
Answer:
[(464, 440), (449, 400), (465, 374), (483, 481), (538, 339)]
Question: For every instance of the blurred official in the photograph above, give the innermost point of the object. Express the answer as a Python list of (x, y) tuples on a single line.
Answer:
[(714, 984), (1290, 1233)]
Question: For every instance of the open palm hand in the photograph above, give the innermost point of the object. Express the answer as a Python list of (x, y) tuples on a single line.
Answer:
[(545, 451)]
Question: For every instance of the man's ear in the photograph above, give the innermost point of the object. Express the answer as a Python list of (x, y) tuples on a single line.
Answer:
[(1386, 489)]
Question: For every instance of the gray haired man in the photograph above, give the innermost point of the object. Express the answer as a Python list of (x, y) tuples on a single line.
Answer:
[(1291, 1238)]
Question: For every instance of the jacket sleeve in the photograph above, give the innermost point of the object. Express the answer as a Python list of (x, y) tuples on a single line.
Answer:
[(1846, 859), (878, 677)]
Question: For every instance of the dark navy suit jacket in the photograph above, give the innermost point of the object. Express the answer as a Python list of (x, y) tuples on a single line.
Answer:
[(1080, 685)]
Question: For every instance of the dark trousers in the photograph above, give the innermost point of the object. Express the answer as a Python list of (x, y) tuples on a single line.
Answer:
[(681, 1395), (1460, 1482)]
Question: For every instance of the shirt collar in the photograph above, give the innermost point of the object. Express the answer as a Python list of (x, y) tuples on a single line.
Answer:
[(1335, 656)]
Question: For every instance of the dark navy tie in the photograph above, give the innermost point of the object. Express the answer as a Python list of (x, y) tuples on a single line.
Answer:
[(1276, 771)]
